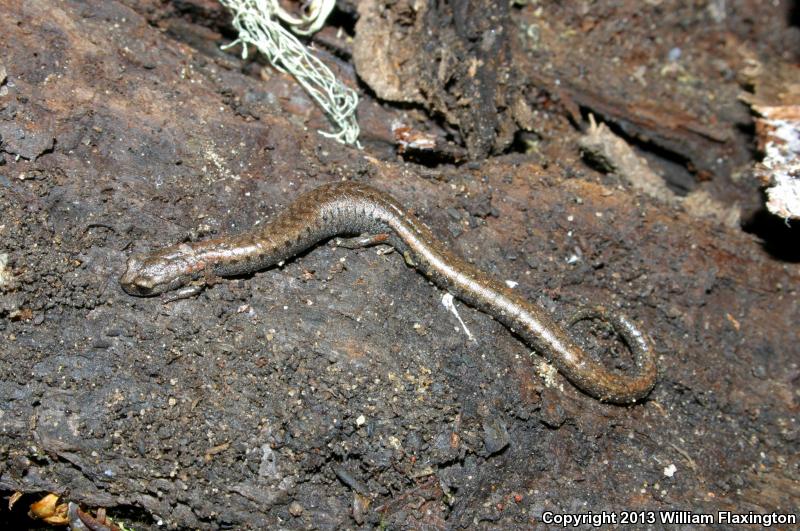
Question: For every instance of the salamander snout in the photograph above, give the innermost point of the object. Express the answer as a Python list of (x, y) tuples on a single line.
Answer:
[(136, 280)]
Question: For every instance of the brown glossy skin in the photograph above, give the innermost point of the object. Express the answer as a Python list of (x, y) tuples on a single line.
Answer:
[(355, 208)]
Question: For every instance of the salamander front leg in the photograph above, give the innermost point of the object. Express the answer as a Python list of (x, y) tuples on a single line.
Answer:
[(186, 292), (192, 289)]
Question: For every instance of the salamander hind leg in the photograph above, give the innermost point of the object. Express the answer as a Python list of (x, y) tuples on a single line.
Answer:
[(364, 240)]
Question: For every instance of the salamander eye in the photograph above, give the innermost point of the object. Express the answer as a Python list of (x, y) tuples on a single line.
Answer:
[(138, 288), (134, 281)]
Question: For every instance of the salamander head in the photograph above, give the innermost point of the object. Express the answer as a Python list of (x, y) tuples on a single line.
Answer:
[(146, 276)]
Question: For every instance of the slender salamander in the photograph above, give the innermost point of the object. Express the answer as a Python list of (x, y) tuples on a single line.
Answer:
[(355, 208)]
